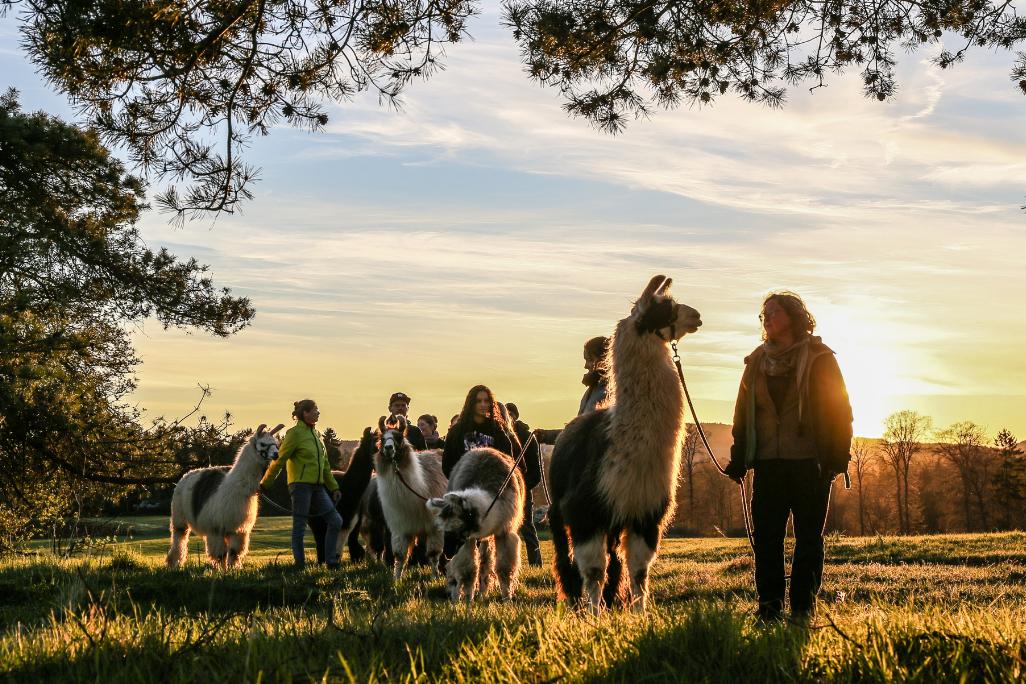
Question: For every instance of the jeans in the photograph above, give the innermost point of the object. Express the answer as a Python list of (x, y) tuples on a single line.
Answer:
[(781, 489), (529, 534), (313, 500)]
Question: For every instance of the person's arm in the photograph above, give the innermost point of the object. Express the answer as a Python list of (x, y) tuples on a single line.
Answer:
[(532, 460), (452, 452), (416, 438), (327, 478), (832, 413), (737, 467), (285, 451)]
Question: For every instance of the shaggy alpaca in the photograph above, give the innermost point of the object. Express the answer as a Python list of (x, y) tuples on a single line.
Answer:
[(474, 483), (614, 472), (400, 470), (221, 504)]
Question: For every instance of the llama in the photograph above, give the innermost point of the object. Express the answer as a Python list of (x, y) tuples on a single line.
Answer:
[(474, 483), (373, 525), (613, 472), (352, 484), (221, 504), (406, 479)]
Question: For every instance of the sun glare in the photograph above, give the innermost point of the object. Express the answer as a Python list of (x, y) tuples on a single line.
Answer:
[(872, 368)]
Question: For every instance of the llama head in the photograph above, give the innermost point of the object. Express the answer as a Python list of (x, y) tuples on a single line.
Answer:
[(265, 443), (454, 514), (657, 312), (368, 444), (393, 436)]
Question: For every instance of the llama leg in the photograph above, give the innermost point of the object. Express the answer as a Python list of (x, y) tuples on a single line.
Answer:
[(217, 550), (614, 592), (641, 551), (507, 551), (435, 541), (485, 572), (463, 573), (238, 547), (401, 544), (179, 550), (591, 559)]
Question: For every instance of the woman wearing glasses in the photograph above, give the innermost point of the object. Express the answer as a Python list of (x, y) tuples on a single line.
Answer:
[(793, 425)]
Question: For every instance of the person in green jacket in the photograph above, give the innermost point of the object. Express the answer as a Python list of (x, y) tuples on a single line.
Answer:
[(312, 487)]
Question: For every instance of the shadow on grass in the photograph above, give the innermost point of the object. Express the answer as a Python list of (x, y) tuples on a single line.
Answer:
[(711, 645)]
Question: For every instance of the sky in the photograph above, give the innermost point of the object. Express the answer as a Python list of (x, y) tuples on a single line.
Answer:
[(480, 235)]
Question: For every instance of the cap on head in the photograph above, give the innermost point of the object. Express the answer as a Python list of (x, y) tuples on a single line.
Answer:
[(399, 396)]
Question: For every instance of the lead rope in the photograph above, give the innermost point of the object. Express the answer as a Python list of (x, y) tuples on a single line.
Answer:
[(513, 470), (746, 511)]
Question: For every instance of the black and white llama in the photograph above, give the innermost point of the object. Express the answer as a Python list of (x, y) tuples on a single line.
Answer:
[(613, 472), (406, 479), (489, 531), (221, 504)]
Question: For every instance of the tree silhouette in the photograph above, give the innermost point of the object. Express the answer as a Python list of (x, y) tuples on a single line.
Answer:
[(615, 60), (73, 274), (166, 79)]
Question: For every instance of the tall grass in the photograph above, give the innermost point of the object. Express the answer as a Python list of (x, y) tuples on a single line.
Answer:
[(911, 609)]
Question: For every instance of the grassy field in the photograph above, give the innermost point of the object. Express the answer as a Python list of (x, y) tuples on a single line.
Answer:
[(928, 609)]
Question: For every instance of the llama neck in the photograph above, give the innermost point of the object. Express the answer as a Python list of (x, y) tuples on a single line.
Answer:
[(248, 466), (646, 391)]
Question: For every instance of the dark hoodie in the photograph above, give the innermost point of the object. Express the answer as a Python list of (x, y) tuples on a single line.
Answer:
[(462, 438)]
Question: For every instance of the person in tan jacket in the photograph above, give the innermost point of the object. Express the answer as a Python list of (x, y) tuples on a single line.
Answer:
[(793, 425)]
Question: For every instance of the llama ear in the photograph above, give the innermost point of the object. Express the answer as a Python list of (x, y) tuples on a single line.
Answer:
[(653, 287), (435, 505), (664, 289), (277, 427), (381, 425), (368, 432), (260, 430)]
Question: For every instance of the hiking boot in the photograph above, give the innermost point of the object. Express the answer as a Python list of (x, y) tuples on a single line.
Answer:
[(769, 615)]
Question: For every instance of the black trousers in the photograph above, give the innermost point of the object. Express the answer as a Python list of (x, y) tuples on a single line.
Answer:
[(781, 489), (529, 534)]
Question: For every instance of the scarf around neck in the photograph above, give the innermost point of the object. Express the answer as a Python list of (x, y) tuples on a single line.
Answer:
[(779, 361)]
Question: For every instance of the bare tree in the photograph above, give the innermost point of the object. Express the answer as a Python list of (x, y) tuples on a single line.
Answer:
[(903, 436), (962, 445), (689, 451), (862, 454)]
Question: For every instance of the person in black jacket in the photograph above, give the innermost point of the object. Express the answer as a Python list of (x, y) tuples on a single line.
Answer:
[(793, 425), (532, 476), (480, 425), (399, 405)]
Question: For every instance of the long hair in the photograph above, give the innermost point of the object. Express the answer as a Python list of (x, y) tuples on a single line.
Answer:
[(802, 322), (466, 419)]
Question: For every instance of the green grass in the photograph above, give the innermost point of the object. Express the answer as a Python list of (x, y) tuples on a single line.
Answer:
[(924, 609)]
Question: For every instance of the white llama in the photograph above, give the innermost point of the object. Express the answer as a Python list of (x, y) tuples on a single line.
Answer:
[(406, 479), (474, 483), (221, 504), (613, 472)]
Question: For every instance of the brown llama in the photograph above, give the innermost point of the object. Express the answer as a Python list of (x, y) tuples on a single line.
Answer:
[(613, 472)]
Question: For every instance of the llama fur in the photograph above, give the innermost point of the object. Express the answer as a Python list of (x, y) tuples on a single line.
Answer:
[(404, 511), (490, 539), (352, 484), (221, 504), (614, 472)]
